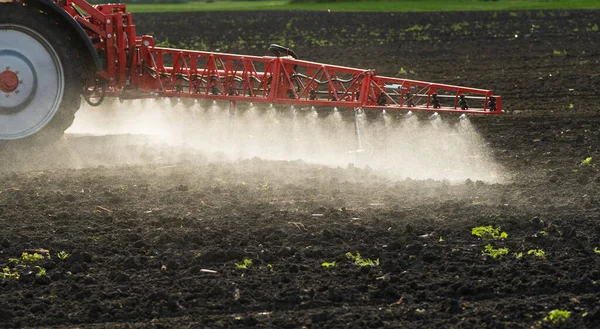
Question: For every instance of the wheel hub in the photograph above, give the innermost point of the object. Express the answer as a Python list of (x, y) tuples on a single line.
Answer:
[(9, 81), (18, 82)]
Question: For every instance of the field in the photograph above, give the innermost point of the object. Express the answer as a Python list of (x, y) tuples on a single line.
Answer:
[(137, 234), (387, 6)]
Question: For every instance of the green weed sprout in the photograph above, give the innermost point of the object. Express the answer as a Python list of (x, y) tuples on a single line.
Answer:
[(63, 255), (597, 250), (486, 232), (328, 264), (518, 255), (8, 274), (245, 264), (31, 258), (441, 239), (556, 316), (41, 271), (559, 53), (361, 261), (537, 252), (587, 162), (494, 253)]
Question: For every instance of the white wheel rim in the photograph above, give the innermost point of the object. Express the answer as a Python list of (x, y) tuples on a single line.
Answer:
[(27, 109)]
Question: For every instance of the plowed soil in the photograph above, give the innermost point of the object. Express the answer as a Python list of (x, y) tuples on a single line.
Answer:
[(151, 234)]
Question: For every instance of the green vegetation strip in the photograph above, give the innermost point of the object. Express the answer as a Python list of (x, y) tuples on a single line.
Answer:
[(387, 6)]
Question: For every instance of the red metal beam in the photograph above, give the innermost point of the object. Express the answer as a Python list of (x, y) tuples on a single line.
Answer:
[(135, 68)]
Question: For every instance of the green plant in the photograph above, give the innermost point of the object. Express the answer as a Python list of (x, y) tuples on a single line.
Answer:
[(441, 239), (559, 53), (358, 260), (459, 26), (587, 162), (537, 252), (41, 271), (494, 253), (328, 264), (518, 255), (9, 274), (556, 316), (31, 258), (486, 232), (62, 255), (24, 263), (246, 263)]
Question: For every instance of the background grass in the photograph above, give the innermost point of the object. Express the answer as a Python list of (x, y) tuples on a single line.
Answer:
[(401, 5)]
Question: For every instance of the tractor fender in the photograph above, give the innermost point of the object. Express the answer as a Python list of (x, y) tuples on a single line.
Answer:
[(52, 8)]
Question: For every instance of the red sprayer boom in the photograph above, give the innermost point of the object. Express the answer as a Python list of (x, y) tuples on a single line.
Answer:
[(117, 63), (135, 68)]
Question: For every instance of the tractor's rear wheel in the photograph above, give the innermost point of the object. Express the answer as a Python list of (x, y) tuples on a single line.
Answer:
[(40, 76)]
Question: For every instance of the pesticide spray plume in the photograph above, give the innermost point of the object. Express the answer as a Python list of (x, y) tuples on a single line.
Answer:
[(397, 145)]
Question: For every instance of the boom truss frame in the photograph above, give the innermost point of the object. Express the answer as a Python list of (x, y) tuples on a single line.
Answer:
[(134, 67)]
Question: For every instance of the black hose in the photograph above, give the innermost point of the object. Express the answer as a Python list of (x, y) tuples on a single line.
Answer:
[(279, 50), (88, 94)]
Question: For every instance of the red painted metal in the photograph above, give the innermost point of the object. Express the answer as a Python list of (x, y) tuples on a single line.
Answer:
[(135, 68), (9, 81)]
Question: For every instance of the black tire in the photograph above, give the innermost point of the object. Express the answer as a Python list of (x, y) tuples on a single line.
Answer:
[(65, 46)]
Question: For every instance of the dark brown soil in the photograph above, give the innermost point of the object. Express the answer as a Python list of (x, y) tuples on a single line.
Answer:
[(140, 234)]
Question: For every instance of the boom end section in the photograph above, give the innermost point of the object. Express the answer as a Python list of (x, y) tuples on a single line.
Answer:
[(411, 95)]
